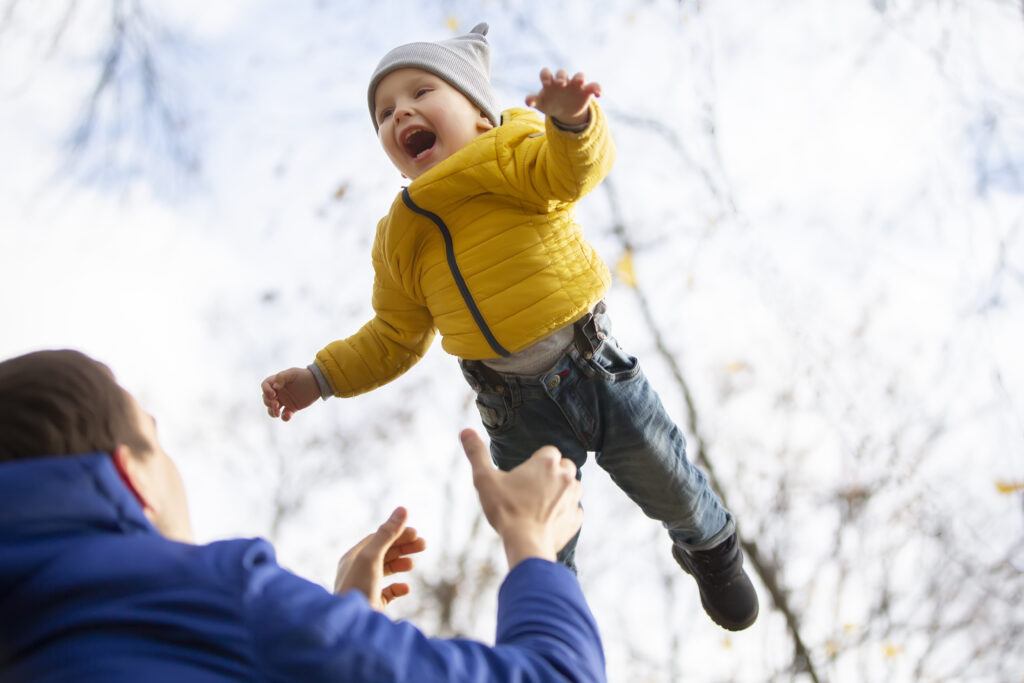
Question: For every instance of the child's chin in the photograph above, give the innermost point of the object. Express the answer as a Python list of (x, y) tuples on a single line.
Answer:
[(424, 167)]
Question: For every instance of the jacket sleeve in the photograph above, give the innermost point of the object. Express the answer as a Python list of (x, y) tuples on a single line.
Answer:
[(303, 633), (392, 342), (557, 165)]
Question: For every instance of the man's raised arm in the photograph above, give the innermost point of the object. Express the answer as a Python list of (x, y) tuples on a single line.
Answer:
[(545, 630)]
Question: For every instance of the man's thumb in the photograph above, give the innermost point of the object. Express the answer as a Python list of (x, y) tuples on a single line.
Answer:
[(476, 451), (388, 532)]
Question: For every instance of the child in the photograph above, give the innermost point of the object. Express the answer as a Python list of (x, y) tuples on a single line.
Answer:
[(482, 246)]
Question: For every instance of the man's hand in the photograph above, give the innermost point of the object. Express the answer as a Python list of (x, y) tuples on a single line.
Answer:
[(289, 391), (535, 507), (380, 554), (563, 98)]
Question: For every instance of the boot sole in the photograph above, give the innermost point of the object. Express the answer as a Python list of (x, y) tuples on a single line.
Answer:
[(711, 612)]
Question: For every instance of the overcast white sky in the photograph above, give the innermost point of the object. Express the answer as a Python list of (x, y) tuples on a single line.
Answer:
[(828, 205)]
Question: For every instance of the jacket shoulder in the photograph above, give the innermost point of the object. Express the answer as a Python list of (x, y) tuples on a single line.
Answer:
[(518, 123)]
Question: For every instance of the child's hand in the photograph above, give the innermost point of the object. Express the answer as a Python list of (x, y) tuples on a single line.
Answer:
[(564, 99), (289, 391)]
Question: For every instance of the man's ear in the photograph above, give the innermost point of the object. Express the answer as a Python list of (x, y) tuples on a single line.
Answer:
[(128, 467)]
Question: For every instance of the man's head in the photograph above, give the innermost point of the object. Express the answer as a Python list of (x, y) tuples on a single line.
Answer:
[(63, 403), (428, 100)]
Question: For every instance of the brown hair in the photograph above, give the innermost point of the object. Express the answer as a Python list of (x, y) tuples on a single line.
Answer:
[(63, 403)]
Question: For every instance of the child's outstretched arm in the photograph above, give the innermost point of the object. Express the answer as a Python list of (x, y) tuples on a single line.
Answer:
[(575, 151), (289, 391), (566, 100), (394, 340)]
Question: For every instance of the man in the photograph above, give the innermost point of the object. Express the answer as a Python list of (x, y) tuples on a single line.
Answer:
[(99, 580)]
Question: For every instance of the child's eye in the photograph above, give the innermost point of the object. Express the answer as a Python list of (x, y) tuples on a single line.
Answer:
[(384, 114), (421, 92)]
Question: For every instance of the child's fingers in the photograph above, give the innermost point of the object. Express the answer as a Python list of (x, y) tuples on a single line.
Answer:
[(280, 380), (579, 79), (545, 77), (592, 89), (272, 404), (268, 387), (562, 78)]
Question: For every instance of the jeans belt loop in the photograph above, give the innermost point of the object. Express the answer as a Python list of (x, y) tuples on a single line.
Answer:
[(585, 336), (491, 378)]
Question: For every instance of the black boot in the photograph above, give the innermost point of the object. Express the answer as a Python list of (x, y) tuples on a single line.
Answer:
[(725, 589)]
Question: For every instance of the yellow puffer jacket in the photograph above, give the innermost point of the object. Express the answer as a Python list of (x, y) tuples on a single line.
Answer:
[(484, 248)]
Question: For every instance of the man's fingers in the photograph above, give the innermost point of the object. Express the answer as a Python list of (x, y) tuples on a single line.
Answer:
[(476, 451), (408, 542), (408, 535), (416, 546), (567, 465), (405, 547), (549, 455), (396, 566), (386, 534), (395, 590)]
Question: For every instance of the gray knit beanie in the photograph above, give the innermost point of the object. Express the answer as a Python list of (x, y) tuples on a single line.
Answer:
[(464, 62)]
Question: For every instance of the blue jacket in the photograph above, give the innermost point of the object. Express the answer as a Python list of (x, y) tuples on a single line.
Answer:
[(90, 591)]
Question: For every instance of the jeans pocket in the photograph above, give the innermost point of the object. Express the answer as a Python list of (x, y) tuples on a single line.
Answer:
[(613, 364), (494, 412)]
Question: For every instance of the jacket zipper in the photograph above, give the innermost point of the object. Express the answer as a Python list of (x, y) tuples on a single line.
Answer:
[(460, 282)]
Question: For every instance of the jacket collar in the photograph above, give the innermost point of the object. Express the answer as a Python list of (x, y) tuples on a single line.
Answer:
[(453, 179), (62, 494)]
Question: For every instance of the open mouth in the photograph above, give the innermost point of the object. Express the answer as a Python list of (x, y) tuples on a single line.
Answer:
[(418, 142)]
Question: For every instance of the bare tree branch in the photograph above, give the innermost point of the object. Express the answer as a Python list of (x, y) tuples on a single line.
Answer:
[(8, 15), (766, 570), (62, 26)]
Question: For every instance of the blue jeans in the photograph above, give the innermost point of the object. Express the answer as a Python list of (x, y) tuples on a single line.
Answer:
[(603, 404)]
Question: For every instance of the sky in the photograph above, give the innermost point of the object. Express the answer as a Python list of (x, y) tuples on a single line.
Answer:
[(825, 204)]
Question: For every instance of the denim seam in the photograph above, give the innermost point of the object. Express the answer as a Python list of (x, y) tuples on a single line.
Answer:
[(589, 444)]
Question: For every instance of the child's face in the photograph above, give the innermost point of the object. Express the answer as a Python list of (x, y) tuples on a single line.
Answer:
[(423, 120)]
